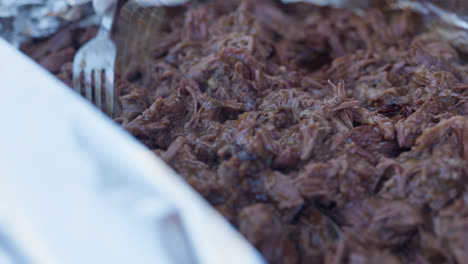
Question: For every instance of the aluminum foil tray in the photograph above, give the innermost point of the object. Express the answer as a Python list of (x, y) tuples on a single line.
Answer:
[(76, 188)]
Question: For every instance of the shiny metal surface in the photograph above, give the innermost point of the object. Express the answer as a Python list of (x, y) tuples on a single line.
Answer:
[(95, 61), (21, 20)]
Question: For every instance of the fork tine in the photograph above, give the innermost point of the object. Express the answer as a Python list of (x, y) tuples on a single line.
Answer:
[(76, 82), (88, 88), (109, 86), (97, 88)]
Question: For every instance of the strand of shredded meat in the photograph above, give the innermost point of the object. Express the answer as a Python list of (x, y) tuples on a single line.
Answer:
[(322, 135)]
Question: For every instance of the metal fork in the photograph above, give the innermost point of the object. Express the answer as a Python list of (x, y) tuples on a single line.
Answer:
[(98, 57)]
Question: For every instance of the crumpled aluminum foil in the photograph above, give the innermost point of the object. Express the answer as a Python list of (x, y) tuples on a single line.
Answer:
[(431, 10), (448, 18), (24, 19)]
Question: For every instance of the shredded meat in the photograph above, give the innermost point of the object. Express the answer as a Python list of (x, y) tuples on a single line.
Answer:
[(324, 136)]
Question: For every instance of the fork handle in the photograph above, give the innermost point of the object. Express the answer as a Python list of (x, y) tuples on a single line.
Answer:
[(107, 22)]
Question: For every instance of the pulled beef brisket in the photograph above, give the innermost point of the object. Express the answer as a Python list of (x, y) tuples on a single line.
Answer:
[(322, 135), (56, 53)]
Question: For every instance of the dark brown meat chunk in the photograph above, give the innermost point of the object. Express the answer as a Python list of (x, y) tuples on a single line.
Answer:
[(57, 51)]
